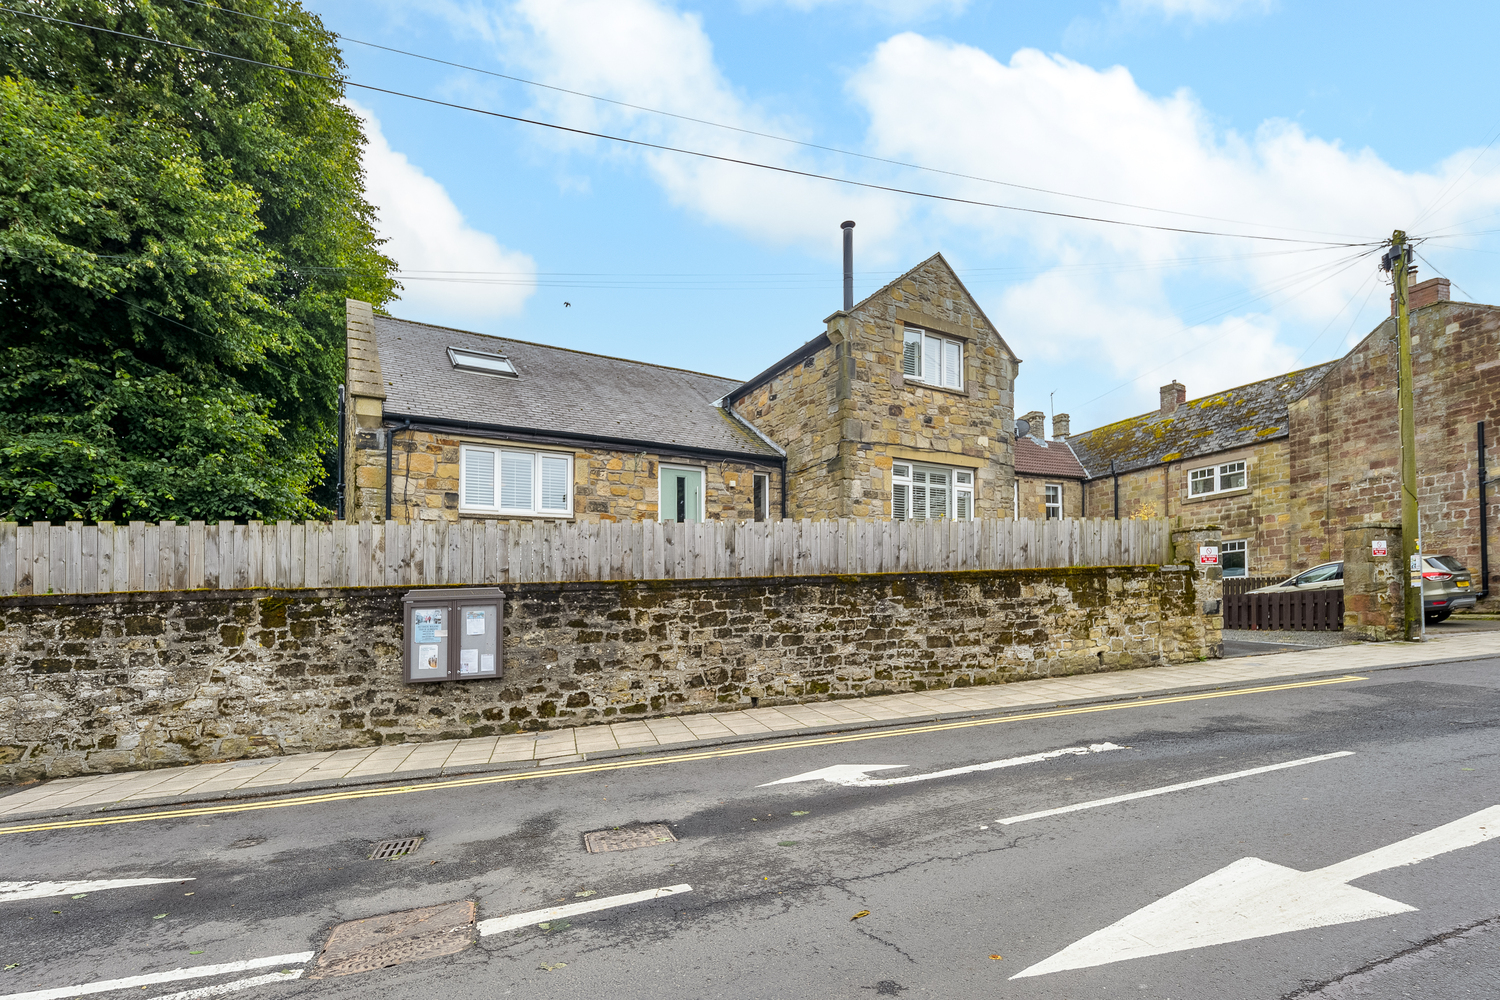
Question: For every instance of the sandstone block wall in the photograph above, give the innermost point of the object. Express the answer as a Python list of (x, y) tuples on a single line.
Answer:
[(112, 682), (608, 485)]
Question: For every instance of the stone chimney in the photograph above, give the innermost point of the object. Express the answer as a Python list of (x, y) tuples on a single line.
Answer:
[(1059, 427), (1425, 293), (1173, 395), (1038, 424)]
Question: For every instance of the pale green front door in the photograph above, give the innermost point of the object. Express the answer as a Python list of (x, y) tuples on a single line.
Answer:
[(681, 494)]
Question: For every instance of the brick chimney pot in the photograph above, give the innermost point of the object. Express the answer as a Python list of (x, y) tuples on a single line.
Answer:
[(1173, 395)]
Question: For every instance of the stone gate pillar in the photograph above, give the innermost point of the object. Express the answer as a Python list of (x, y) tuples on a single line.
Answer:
[(1199, 551), (1374, 582)]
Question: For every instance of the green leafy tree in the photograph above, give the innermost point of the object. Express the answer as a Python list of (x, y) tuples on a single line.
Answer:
[(178, 233)]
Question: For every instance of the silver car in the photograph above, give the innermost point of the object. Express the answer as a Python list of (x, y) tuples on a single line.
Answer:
[(1326, 576), (1446, 587)]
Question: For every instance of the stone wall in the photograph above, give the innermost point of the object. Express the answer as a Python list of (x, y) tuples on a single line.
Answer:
[(608, 485), (1031, 493), (1346, 455), (113, 682)]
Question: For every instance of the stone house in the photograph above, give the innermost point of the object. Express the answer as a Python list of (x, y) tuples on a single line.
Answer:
[(900, 408), (1283, 465), (1050, 480)]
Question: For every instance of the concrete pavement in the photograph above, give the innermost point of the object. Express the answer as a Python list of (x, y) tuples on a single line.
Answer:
[(412, 761)]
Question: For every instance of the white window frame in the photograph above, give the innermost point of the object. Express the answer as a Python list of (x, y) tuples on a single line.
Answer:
[(1216, 477), (540, 461), (932, 352), (908, 496), (1048, 507), (661, 477), (1234, 545), (760, 486)]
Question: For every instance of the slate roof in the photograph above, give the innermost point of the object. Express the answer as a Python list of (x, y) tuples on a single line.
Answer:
[(558, 390), (1230, 419), (1054, 458)]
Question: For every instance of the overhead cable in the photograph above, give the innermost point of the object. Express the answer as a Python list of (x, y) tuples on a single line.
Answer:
[(715, 157)]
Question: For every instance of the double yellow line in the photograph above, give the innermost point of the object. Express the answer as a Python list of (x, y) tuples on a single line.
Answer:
[(218, 809)]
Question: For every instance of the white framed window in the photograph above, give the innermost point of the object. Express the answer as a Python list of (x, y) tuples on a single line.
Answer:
[(681, 493), (931, 493), (932, 359), (761, 484), (512, 481), (1216, 479), (490, 363), (1052, 500), (1234, 558)]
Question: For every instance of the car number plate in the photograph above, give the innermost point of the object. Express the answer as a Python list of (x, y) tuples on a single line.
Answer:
[(1463, 583)]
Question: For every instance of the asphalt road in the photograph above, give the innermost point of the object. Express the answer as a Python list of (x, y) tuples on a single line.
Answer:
[(777, 873)]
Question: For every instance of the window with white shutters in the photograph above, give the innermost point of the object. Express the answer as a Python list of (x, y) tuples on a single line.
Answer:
[(931, 359), (931, 493), (510, 481)]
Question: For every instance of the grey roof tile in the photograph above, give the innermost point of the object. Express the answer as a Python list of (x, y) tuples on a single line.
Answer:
[(558, 390), (1229, 419)]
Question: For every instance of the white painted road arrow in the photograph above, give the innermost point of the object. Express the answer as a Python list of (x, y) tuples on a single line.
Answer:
[(853, 775), (1253, 898)]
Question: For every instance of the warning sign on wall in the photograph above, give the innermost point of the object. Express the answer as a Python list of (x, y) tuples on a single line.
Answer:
[(1377, 547), (1208, 555)]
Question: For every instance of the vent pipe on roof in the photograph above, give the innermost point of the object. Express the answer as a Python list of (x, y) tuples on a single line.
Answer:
[(848, 228)]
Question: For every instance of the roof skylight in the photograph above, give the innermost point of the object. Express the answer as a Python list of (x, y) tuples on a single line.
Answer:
[(481, 361)]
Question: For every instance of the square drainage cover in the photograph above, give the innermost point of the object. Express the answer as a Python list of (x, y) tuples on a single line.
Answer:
[(628, 838), (393, 938), (390, 849)]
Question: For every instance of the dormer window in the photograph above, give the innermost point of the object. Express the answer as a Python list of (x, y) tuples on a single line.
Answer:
[(481, 361), (930, 359)]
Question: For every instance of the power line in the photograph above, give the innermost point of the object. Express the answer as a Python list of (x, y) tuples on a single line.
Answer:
[(753, 132), (1440, 274), (1352, 320), (790, 171), (1351, 261)]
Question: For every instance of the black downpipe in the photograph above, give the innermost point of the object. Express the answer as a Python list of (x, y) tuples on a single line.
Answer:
[(390, 440), (783, 487), (338, 502), (1116, 475), (848, 228), (1484, 522)]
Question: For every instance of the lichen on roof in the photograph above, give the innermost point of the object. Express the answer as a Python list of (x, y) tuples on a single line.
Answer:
[(1235, 417)]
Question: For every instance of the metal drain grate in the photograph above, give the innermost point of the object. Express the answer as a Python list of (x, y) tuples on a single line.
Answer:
[(387, 849), (628, 838)]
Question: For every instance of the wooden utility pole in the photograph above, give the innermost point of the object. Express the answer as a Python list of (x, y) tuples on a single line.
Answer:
[(1398, 261)]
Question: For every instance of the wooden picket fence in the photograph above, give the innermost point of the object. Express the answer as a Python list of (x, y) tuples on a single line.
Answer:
[(78, 558)]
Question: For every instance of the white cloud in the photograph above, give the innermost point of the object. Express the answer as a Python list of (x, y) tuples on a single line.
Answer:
[(644, 53), (427, 233), (893, 10), (1197, 10)]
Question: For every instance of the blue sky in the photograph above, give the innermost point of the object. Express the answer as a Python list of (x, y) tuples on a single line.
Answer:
[(1329, 126)]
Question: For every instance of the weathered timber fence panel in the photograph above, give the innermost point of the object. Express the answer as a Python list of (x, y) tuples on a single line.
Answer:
[(1304, 611), (76, 558)]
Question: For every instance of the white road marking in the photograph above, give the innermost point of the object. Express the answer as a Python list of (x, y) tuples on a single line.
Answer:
[(853, 775), (231, 987), (1253, 898), (497, 925), (151, 979), (11, 891), (1182, 786)]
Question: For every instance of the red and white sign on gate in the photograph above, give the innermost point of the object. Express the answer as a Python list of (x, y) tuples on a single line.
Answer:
[(1208, 555), (1377, 547)]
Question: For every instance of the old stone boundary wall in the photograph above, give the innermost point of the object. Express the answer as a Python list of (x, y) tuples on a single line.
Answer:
[(95, 683)]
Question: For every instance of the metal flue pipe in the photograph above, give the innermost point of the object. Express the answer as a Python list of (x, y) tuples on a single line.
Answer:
[(848, 228)]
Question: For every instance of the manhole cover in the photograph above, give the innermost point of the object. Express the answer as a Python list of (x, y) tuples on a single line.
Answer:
[(408, 936), (628, 838), (394, 848)]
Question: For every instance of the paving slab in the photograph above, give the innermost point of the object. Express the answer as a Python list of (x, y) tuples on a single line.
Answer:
[(404, 762)]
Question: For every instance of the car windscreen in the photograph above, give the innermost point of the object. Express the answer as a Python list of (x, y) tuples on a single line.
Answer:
[(1448, 563)]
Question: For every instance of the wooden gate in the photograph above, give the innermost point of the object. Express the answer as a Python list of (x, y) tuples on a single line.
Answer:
[(1301, 610)]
